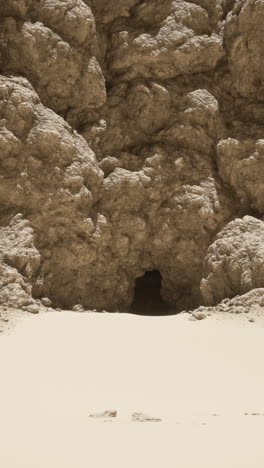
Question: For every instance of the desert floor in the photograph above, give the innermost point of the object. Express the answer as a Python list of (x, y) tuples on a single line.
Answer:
[(203, 379)]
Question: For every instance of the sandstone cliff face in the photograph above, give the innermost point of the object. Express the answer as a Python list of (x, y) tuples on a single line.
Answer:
[(131, 139)]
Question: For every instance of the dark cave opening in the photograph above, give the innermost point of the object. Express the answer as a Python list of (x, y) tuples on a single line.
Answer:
[(147, 297)]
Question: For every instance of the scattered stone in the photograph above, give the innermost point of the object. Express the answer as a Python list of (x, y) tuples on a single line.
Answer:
[(104, 414), (257, 309), (251, 319), (32, 308), (141, 417), (225, 301), (78, 308), (225, 259), (199, 315), (46, 302)]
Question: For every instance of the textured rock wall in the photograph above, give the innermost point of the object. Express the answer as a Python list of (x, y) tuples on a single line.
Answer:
[(131, 139)]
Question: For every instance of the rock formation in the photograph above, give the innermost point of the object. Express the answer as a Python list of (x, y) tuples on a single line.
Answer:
[(131, 140)]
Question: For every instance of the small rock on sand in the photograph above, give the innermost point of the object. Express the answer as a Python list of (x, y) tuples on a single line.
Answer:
[(104, 414), (199, 315), (78, 308), (46, 302), (32, 308), (141, 417)]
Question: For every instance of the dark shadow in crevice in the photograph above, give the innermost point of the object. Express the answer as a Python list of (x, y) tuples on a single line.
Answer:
[(147, 298)]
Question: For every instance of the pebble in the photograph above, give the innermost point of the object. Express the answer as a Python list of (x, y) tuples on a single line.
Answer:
[(78, 308), (251, 319), (32, 308), (199, 315), (141, 417), (104, 414), (46, 302)]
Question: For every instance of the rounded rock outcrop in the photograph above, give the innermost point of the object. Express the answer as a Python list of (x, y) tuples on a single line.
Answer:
[(234, 263)]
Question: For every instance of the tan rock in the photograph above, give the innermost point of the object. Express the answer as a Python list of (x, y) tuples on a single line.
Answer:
[(234, 263), (131, 135), (244, 37)]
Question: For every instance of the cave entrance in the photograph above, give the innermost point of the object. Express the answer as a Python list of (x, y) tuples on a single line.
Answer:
[(147, 298)]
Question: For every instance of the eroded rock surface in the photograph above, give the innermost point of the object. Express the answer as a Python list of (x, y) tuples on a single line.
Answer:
[(19, 263), (131, 140), (235, 261)]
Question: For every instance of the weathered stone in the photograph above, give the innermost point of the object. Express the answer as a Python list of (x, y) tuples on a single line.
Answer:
[(199, 315), (179, 43), (46, 302), (19, 262), (131, 135), (234, 263), (32, 308), (65, 75), (241, 164), (104, 414), (141, 417), (78, 308), (244, 38), (107, 11)]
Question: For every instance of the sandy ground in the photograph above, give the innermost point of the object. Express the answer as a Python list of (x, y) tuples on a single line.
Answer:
[(199, 377)]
